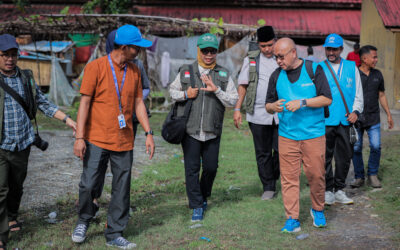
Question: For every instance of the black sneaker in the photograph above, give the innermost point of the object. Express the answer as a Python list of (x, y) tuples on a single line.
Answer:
[(79, 234)]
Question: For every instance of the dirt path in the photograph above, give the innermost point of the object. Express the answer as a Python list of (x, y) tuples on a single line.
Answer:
[(55, 173), (356, 226)]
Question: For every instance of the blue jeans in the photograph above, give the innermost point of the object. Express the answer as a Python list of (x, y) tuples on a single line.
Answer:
[(374, 136)]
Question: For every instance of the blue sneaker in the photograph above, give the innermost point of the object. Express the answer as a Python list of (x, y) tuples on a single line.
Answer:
[(291, 226), (205, 206), (121, 242), (318, 218), (79, 234), (197, 214)]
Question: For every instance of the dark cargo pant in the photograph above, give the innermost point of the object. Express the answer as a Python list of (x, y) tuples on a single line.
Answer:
[(94, 168), (13, 169)]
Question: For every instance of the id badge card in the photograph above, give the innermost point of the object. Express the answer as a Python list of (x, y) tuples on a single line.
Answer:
[(121, 121)]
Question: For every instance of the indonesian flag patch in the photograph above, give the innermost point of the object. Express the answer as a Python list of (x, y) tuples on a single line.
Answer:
[(187, 74), (253, 63)]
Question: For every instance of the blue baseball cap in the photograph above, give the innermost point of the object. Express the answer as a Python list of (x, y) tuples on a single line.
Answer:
[(7, 42), (333, 41), (130, 35)]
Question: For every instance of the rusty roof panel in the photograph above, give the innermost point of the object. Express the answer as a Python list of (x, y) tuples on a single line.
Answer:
[(293, 22), (389, 10)]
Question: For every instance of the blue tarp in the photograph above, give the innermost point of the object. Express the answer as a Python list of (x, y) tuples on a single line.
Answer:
[(44, 46)]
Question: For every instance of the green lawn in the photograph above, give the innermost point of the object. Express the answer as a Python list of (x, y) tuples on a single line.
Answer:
[(236, 218)]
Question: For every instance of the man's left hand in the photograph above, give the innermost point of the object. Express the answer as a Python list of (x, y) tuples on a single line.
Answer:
[(352, 118), (390, 122), (209, 83), (293, 105), (150, 146)]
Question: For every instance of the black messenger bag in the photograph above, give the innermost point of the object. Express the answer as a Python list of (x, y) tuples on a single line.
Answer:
[(174, 127)]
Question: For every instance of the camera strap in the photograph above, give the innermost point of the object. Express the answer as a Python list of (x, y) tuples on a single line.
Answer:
[(18, 99)]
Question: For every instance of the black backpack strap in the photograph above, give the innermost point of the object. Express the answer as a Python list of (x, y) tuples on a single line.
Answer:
[(309, 69), (16, 97)]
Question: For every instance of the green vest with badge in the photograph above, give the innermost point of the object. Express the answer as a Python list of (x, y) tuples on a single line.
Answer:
[(212, 110), (254, 62), (30, 95)]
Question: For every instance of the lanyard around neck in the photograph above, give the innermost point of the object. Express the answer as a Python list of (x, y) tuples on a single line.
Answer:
[(116, 82)]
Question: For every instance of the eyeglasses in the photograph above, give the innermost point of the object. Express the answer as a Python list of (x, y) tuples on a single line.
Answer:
[(282, 57), (208, 50), (7, 56)]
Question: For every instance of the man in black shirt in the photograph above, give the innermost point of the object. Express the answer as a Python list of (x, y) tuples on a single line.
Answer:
[(299, 98), (374, 93)]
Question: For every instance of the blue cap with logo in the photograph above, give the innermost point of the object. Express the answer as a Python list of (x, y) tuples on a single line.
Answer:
[(130, 35), (7, 42), (333, 41)]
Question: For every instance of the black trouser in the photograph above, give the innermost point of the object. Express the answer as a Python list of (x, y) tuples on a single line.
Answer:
[(265, 139), (194, 151), (94, 166), (100, 184), (13, 169), (338, 146)]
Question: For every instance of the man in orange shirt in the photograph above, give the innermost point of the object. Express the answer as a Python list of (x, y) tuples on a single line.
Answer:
[(111, 93)]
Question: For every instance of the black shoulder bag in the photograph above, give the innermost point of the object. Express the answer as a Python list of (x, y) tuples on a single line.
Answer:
[(174, 127), (353, 131), (38, 142)]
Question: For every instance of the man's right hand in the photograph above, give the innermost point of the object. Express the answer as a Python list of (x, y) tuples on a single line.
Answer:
[(275, 106), (192, 92), (237, 118), (80, 148)]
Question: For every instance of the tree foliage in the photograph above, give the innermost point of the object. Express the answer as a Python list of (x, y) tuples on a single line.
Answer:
[(107, 6)]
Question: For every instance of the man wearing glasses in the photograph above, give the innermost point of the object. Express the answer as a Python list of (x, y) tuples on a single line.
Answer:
[(299, 100), (338, 123), (16, 132), (253, 84), (213, 90), (111, 92)]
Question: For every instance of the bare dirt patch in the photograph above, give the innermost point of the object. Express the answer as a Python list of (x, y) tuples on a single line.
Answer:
[(55, 173)]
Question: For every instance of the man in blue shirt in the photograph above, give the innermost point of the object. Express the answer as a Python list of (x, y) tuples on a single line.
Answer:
[(17, 133), (299, 99), (339, 121)]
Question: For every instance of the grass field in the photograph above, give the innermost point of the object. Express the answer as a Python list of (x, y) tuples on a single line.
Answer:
[(236, 218)]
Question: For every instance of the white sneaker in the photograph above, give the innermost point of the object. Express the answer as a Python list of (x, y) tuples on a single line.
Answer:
[(329, 198), (341, 197)]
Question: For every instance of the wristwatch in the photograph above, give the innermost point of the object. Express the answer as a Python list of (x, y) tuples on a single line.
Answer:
[(149, 132), (65, 118), (303, 103)]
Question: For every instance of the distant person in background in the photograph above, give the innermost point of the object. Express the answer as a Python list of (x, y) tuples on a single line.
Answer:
[(354, 56), (374, 93), (310, 54)]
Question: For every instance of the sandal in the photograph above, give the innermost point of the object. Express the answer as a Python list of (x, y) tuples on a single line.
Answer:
[(15, 227)]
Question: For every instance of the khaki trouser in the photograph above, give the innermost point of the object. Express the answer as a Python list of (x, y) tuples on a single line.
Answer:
[(312, 154)]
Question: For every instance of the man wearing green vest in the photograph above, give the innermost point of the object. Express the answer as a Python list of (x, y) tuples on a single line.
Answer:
[(253, 84), (213, 91), (16, 131)]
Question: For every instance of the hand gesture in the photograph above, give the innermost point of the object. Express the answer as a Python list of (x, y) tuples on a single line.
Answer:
[(80, 148), (209, 83), (352, 117), (192, 92), (277, 106), (237, 118), (293, 105), (150, 146), (71, 123)]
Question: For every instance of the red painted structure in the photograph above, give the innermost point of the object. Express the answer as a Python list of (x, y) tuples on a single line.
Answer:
[(300, 23), (389, 10)]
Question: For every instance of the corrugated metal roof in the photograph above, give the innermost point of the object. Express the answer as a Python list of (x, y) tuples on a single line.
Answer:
[(389, 10), (291, 22)]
